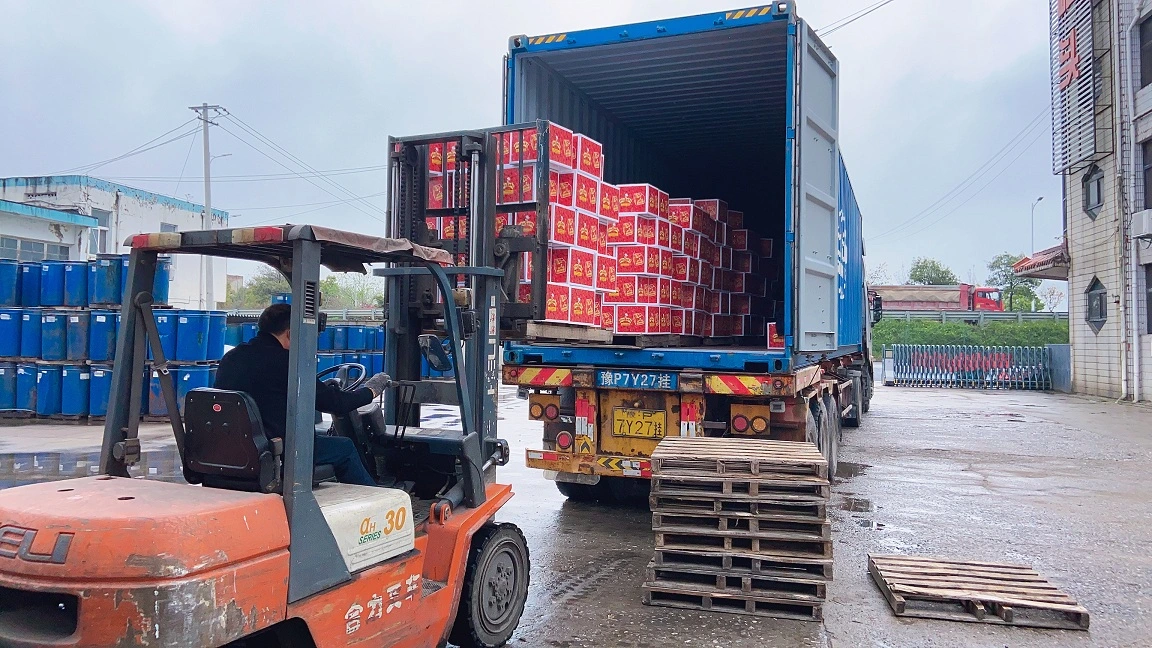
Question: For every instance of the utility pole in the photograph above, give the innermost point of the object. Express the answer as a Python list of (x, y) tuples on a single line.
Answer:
[(207, 285), (1032, 225)]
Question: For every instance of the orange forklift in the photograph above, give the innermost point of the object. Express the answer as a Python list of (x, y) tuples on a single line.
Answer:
[(261, 548)]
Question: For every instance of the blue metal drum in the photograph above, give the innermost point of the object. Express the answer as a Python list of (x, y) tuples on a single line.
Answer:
[(75, 283), (189, 378), (324, 339), (103, 327), (47, 389), (249, 330), (162, 281), (10, 332), (30, 322), (52, 283), (377, 362), (166, 327), (76, 335), (26, 386), (74, 391), (104, 286), (217, 325), (339, 337), (54, 335), (99, 388), (29, 283), (9, 282), (325, 360), (357, 338), (282, 298), (7, 386), (192, 335)]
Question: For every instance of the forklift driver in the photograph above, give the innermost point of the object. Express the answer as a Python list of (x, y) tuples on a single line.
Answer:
[(259, 367)]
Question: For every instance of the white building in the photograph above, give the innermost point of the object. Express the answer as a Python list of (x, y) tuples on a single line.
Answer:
[(1102, 146), (76, 217)]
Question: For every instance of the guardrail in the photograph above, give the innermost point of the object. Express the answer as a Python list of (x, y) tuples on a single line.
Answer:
[(969, 367), (334, 315), (978, 317)]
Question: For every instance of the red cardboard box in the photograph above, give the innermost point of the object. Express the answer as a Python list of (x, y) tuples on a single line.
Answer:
[(680, 267), (625, 292), (676, 293), (587, 231), (677, 327), (663, 234), (698, 221), (449, 225), (775, 340), (662, 209), (623, 230), (521, 146), (647, 290), (637, 260), (676, 238), (518, 185), (692, 244), (556, 305), (559, 265), (726, 258), (680, 214), (609, 201), (502, 221), (646, 230), (679, 201), (659, 319), (583, 305), (707, 274), (561, 146), (765, 249), (582, 267), (562, 223), (526, 266), (709, 252), (587, 193), (590, 156), (606, 279), (433, 225), (524, 292), (664, 291), (666, 263), (526, 221), (693, 271), (601, 321), (436, 159), (717, 209), (631, 319), (735, 219), (741, 304), (742, 261), (602, 238), (435, 193), (565, 193), (639, 199), (738, 239)]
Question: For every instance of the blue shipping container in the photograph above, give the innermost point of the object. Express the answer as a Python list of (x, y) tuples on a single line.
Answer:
[(77, 335), (192, 335), (29, 283), (26, 387), (10, 332), (54, 335), (30, 323), (100, 387), (74, 390), (103, 327), (9, 282), (75, 283), (47, 389), (7, 386)]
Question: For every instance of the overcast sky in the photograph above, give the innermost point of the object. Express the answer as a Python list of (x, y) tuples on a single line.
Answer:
[(930, 93)]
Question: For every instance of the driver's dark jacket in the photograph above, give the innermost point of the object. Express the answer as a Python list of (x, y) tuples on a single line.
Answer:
[(260, 368)]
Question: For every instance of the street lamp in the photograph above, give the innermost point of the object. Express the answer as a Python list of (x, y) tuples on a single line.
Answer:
[(1032, 220)]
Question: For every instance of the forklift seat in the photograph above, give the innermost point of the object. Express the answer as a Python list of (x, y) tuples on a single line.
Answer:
[(225, 445)]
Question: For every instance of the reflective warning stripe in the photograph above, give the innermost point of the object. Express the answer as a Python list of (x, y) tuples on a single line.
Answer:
[(545, 377), (626, 466), (542, 40), (738, 385), (748, 13)]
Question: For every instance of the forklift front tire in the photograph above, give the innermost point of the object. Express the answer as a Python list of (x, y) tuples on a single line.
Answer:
[(495, 588)]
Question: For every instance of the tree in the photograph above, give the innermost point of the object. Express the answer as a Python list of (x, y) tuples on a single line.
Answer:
[(1019, 293), (930, 272), (1052, 297), (878, 275), (257, 290)]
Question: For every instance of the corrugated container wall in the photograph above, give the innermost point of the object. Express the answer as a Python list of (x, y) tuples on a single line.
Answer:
[(850, 266)]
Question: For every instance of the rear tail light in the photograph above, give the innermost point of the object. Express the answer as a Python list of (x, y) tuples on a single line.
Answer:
[(536, 411), (740, 424), (564, 440), (551, 412), (759, 424)]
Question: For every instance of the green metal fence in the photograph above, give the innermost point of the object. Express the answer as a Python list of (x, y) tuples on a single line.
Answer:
[(970, 367)]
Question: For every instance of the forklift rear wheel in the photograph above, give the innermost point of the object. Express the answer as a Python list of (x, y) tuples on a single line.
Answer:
[(495, 588), (582, 492)]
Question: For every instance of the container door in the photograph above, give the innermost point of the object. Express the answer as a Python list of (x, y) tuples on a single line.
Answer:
[(817, 177)]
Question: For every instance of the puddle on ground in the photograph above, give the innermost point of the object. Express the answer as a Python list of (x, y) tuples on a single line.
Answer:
[(848, 470), (857, 505), (20, 468)]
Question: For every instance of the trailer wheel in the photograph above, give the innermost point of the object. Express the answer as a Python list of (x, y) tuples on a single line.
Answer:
[(495, 588), (582, 492), (835, 432), (869, 386), (857, 403)]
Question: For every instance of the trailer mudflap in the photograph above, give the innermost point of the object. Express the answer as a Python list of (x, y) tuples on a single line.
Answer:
[(603, 465)]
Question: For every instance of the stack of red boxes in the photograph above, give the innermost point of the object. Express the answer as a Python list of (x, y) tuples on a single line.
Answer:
[(646, 299), (581, 207)]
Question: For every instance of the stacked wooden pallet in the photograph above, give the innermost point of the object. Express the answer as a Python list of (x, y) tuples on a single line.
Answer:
[(741, 526)]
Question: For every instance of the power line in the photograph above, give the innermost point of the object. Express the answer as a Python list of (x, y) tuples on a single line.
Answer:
[(87, 168), (261, 177), (307, 211), (307, 179), (980, 171), (982, 187), (184, 166), (313, 204), (849, 19)]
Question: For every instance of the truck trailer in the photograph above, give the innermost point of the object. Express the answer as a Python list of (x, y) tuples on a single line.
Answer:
[(960, 297), (740, 105)]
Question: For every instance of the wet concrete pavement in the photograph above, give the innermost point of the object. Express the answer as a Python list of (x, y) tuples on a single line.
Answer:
[(1057, 482)]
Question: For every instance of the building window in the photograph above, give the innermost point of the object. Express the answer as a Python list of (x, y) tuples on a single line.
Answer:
[(98, 236), (9, 248), (55, 252), (31, 251), (1097, 311), (1093, 191), (1146, 52), (168, 227), (1148, 296), (25, 250)]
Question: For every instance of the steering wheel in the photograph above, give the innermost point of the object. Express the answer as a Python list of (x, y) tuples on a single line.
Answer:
[(342, 379)]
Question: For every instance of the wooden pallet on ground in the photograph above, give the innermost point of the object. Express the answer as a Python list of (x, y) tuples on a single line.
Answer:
[(560, 332), (662, 521), (744, 563), (760, 509), (794, 488), (798, 545), (775, 584), (735, 602), (940, 588), (728, 457)]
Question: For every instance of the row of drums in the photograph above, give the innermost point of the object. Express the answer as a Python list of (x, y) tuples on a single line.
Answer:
[(334, 337), (76, 390), (100, 281), (67, 335)]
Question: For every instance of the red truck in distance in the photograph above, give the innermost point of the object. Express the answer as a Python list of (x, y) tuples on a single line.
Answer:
[(962, 297)]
